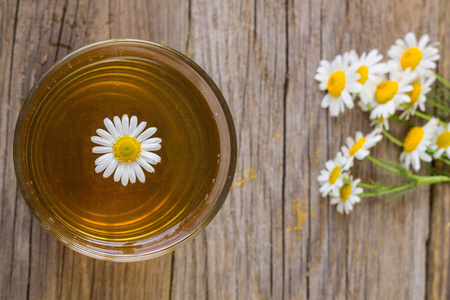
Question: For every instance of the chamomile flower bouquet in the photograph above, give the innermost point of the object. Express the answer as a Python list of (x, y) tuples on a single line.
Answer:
[(394, 90)]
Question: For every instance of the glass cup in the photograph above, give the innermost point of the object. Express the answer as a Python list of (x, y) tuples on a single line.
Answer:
[(139, 248)]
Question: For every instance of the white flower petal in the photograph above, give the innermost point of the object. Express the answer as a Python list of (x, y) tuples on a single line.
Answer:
[(423, 41), (118, 125), (119, 171), (111, 168), (348, 100), (407, 160), (329, 164), (150, 147), (410, 39), (104, 158), (428, 64), (152, 141), (138, 129), (125, 175), (132, 173), (152, 157), (102, 166), (100, 141), (111, 128), (146, 134), (139, 173), (145, 165), (125, 124), (105, 135), (354, 87), (102, 149), (438, 153), (415, 162), (326, 101), (133, 124)]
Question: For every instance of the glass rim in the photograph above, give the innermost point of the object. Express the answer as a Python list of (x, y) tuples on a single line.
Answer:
[(217, 202)]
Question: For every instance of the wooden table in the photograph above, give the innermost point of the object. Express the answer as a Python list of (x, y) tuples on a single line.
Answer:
[(275, 237)]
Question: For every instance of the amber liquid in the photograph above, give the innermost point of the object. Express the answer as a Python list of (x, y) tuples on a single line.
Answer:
[(62, 162)]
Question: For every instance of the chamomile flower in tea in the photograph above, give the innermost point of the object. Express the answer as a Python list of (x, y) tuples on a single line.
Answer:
[(127, 150)]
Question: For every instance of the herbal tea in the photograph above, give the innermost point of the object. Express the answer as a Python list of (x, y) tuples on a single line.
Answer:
[(74, 103)]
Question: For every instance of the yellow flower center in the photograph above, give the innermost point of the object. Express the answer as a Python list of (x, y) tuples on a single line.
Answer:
[(127, 149), (334, 175), (415, 93), (358, 145), (410, 58), (364, 72), (346, 191), (443, 140), (336, 83), (413, 138), (386, 91)]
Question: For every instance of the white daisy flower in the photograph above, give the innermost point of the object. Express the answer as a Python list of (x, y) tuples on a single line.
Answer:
[(339, 79), (421, 87), (369, 69), (126, 149), (389, 94), (415, 145), (441, 141), (347, 195), (330, 178), (380, 123), (418, 56), (359, 147)]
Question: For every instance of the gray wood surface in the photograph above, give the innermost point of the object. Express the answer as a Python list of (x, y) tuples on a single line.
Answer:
[(275, 237)]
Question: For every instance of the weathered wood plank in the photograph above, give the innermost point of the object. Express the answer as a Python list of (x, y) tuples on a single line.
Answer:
[(379, 251), (438, 260), (8, 19), (242, 45), (27, 63), (38, 266)]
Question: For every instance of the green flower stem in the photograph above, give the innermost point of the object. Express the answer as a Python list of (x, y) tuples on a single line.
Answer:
[(442, 80), (364, 185), (392, 139), (426, 180), (398, 120), (425, 116), (392, 190), (418, 181), (438, 105), (383, 165), (369, 186)]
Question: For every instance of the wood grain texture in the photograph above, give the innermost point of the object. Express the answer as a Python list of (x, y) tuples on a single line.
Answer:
[(438, 260), (275, 237)]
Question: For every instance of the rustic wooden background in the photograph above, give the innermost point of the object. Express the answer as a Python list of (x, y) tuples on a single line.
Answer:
[(275, 238)]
